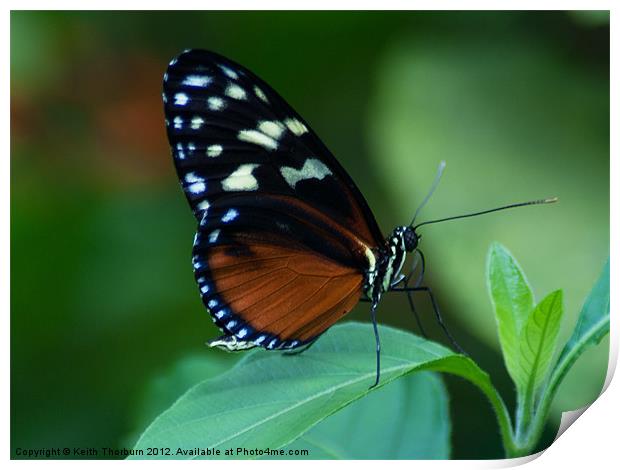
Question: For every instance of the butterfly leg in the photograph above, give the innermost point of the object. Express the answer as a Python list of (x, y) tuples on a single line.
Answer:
[(417, 283), (438, 316), (437, 313), (301, 349), (415, 314), (373, 316), (414, 265)]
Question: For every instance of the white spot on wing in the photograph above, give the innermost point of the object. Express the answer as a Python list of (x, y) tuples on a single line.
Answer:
[(258, 138), (215, 103), (180, 152), (229, 72), (242, 333), (212, 303), (231, 324), (178, 122), (181, 99), (197, 122), (196, 188), (213, 235), (231, 215), (214, 150), (235, 91), (296, 126), (197, 80), (271, 128), (313, 168), (193, 178), (203, 205), (261, 95), (241, 179), (197, 184), (260, 339)]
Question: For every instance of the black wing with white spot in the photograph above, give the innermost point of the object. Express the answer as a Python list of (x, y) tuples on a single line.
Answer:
[(232, 134)]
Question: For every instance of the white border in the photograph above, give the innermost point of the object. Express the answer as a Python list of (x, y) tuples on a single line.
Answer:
[(591, 441), (314, 5)]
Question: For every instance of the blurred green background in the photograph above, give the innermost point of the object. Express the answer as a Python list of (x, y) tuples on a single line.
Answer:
[(103, 302)]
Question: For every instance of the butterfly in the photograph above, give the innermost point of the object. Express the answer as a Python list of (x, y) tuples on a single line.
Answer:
[(286, 244)]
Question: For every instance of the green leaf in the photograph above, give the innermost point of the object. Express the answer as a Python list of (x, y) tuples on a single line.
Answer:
[(539, 339), (537, 345), (592, 326), (164, 389), (594, 313), (406, 419), (513, 301), (268, 400)]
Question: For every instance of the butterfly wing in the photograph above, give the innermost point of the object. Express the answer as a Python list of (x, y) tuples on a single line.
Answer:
[(230, 132), (264, 286), (285, 235)]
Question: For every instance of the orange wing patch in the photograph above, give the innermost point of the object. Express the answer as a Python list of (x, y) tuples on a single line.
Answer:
[(294, 295)]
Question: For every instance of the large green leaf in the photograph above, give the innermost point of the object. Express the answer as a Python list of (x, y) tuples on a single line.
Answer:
[(513, 301), (163, 389), (538, 341), (268, 400), (407, 419)]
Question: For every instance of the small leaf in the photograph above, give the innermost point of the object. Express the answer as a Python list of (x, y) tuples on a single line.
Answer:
[(268, 400), (592, 326), (407, 419), (595, 311), (513, 301), (539, 339)]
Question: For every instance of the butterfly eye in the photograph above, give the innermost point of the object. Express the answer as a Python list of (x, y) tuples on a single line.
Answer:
[(411, 239)]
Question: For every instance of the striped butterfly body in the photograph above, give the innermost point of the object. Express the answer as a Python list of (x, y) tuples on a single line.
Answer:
[(286, 244)]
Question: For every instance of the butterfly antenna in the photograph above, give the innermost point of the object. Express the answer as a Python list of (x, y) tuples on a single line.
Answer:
[(440, 169), (473, 214)]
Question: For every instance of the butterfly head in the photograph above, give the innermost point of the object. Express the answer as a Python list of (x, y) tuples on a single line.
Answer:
[(403, 239), (410, 239)]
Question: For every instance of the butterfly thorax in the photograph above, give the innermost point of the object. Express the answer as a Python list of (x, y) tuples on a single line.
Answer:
[(389, 262)]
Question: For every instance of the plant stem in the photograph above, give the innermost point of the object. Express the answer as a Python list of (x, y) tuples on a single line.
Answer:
[(511, 449), (504, 421)]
